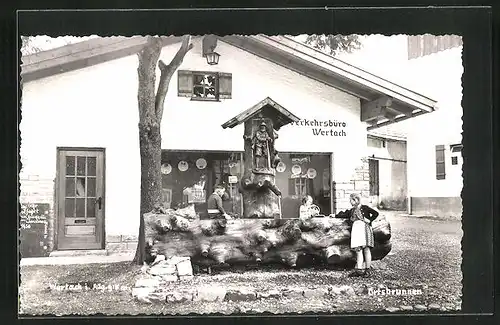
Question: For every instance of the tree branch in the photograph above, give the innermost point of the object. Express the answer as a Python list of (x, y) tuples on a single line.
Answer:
[(167, 71), (146, 71)]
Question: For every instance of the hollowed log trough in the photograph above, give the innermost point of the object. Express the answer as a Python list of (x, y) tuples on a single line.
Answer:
[(291, 242)]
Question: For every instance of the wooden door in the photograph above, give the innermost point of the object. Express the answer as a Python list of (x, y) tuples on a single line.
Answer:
[(80, 199), (373, 171)]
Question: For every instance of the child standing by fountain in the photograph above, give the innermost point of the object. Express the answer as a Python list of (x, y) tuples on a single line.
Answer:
[(362, 234)]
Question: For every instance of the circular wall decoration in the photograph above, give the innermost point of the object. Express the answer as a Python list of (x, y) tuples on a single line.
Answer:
[(201, 163), (311, 173), (296, 169), (166, 169), (183, 166), (281, 167)]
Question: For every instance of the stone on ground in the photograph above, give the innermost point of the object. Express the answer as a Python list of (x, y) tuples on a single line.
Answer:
[(420, 307), (315, 293), (273, 293), (242, 294), (169, 277), (392, 309), (211, 293), (342, 290), (184, 268), (158, 259), (162, 268), (293, 293), (179, 296)]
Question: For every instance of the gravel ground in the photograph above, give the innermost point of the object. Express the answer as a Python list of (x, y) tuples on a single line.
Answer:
[(426, 255)]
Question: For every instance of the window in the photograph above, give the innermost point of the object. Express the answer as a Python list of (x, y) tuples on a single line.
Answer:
[(440, 162), (299, 186), (456, 150), (304, 174), (204, 85), (199, 85), (375, 143), (193, 184)]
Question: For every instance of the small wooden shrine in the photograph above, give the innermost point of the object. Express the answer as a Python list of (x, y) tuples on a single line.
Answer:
[(261, 197)]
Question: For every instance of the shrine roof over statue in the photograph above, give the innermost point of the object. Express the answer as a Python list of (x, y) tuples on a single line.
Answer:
[(268, 108)]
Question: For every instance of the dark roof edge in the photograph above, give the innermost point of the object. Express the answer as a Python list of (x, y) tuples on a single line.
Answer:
[(81, 55)]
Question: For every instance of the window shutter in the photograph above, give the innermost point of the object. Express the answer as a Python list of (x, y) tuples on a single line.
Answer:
[(185, 83), (225, 85), (440, 162)]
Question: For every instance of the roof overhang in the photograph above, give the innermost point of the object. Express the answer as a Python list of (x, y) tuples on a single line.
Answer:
[(382, 102), (83, 54)]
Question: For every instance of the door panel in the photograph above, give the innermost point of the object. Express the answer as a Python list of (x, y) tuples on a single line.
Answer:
[(373, 169), (80, 199)]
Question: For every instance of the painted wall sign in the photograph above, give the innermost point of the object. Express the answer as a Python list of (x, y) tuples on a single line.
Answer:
[(311, 173), (166, 169), (296, 169), (183, 166), (281, 167), (233, 179), (34, 229), (322, 127), (201, 163)]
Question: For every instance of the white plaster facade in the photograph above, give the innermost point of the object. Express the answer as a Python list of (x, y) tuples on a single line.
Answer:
[(438, 76)]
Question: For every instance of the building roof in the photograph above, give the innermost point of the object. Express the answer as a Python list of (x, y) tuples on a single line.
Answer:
[(382, 102), (269, 108)]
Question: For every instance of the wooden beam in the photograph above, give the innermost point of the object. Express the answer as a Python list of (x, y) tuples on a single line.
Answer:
[(389, 113), (399, 119), (402, 109), (374, 109), (393, 111)]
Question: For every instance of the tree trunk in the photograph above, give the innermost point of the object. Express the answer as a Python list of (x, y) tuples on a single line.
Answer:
[(150, 149), (291, 242), (151, 104)]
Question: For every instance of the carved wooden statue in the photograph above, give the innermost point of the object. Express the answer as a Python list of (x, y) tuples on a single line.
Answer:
[(261, 147)]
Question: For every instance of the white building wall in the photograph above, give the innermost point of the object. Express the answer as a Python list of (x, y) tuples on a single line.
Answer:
[(440, 74), (97, 107), (393, 186), (437, 76)]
